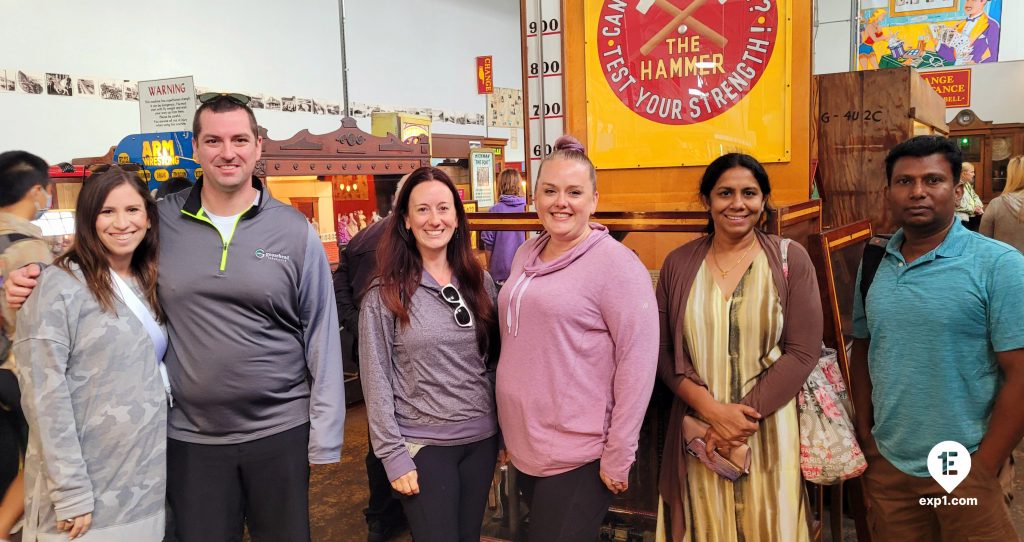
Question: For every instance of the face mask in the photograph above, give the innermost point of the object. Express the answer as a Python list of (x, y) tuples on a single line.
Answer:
[(42, 211)]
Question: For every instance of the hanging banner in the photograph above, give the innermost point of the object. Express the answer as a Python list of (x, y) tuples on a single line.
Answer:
[(953, 85), (673, 82), (928, 34), (484, 75), (167, 105)]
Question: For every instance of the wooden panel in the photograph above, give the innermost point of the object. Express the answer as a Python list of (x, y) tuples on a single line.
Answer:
[(66, 195), (614, 221), (929, 107), (851, 149), (652, 235), (861, 115), (457, 146)]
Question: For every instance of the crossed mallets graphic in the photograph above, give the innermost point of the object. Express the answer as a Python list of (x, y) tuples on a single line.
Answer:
[(681, 17)]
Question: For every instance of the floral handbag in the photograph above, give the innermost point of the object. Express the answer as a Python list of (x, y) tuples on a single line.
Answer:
[(829, 451)]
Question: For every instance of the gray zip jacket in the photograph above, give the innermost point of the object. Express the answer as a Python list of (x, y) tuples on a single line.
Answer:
[(254, 346), (425, 383), (96, 408)]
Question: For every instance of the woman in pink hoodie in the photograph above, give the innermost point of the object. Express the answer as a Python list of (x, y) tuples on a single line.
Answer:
[(579, 329)]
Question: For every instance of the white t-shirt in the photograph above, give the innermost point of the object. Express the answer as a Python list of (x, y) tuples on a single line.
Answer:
[(225, 224)]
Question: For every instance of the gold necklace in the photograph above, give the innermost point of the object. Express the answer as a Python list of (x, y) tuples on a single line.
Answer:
[(724, 272)]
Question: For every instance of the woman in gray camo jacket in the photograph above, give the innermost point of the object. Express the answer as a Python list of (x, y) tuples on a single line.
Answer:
[(89, 343)]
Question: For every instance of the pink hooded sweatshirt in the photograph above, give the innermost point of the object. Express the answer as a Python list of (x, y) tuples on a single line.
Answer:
[(579, 352)]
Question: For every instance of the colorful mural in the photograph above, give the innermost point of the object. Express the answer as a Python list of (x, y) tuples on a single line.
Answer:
[(928, 33)]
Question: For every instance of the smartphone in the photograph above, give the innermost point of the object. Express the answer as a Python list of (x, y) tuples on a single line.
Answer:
[(717, 463)]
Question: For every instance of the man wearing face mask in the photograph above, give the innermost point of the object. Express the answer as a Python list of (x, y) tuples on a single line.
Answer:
[(24, 196)]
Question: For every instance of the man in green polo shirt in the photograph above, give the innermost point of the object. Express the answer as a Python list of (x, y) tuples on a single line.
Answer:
[(939, 357)]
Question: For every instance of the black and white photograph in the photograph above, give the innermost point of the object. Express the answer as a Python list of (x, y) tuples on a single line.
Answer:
[(85, 87), (30, 83), (131, 90), (7, 81), (476, 118), (358, 110), (318, 108), (289, 104), (58, 84), (256, 101), (112, 90), (333, 108), (436, 115), (304, 105), (272, 102)]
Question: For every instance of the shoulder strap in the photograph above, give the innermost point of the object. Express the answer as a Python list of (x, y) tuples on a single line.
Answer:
[(8, 239), (874, 251), (784, 247)]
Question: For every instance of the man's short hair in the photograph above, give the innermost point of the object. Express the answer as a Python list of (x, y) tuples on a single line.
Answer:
[(20, 171), (926, 145), (223, 104)]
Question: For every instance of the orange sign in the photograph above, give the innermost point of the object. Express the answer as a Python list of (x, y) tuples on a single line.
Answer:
[(953, 85), (484, 75)]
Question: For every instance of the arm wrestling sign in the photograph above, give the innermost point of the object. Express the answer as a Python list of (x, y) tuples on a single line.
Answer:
[(681, 82)]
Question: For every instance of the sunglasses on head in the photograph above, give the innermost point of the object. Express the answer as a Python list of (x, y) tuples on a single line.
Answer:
[(97, 169), (451, 296), (241, 99)]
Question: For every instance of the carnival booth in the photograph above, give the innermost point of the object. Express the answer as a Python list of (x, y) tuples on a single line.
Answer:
[(341, 181)]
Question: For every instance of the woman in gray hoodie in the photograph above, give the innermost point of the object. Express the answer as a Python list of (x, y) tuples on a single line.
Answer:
[(427, 345), (89, 345), (1004, 219)]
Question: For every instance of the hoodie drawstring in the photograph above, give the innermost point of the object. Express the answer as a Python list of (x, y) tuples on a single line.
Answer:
[(511, 298)]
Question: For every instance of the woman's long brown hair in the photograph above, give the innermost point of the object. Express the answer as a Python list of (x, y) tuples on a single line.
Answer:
[(400, 266), (90, 254)]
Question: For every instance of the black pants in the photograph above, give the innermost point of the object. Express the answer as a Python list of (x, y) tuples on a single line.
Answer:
[(213, 489), (13, 429), (454, 481), (383, 507), (567, 507)]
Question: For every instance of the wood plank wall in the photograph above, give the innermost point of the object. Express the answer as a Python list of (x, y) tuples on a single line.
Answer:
[(675, 188), (861, 115)]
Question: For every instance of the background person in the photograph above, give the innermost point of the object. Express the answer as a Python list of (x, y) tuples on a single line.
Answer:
[(969, 208), (1004, 220), (24, 196), (426, 343), (738, 340), (502, 245), (96, 461), (578, 356)]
